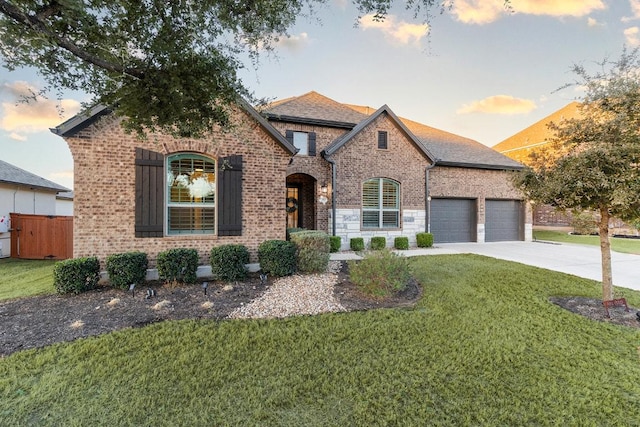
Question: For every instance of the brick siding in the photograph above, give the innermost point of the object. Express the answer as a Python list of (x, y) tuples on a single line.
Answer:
[(104, 178)]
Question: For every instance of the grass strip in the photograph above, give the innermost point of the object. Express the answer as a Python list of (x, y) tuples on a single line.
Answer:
[(483, 347)]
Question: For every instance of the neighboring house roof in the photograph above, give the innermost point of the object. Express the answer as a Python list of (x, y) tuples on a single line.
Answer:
[(538, 133), (85, 119), (65, 195), (11, 174), (445, 148)]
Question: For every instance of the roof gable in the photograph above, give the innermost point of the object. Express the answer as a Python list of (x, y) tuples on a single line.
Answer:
[(313, 108), (83, 120), (340, 142), (443, 147), (11, 174)]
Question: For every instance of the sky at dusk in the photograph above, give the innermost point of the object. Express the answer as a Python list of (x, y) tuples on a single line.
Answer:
[(482, 72)]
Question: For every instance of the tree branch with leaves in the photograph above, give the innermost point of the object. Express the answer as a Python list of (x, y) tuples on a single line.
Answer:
[(593, 160)]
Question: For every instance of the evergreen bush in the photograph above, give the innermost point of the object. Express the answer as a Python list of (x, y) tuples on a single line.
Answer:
[(277, 257), (336, 243), (76, 275), (424, 240), (378, 242), (356, 244), (312, 251), (178, 265), (127, 268), (228, 262), (584, 223), (401, 243)]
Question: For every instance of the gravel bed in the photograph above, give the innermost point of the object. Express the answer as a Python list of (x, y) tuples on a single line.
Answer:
[(295, 295)]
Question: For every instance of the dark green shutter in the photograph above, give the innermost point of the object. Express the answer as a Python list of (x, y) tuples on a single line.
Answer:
[(312, 143), (149, 218), (230, 196)]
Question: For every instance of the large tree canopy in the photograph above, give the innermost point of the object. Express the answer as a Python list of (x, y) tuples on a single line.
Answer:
[(593, 162), (167, 65)]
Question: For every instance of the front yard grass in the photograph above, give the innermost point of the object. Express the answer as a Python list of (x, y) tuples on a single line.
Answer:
[(23, 277), (618, 244), (484, 346)]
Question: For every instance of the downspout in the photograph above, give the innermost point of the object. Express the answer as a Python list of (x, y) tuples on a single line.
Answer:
[(333, 192), (427, 199)]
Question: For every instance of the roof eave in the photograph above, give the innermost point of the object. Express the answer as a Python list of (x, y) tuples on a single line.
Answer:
[(309, 121), (81, 121), (479, 165)]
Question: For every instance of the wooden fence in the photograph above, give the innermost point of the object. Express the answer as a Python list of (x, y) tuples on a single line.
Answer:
[(41, 236)]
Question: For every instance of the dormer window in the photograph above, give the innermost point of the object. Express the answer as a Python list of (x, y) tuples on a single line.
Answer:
[(305, 142), (382, 140)]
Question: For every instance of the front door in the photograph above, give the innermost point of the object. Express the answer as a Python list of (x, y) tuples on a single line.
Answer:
[(294, 207)]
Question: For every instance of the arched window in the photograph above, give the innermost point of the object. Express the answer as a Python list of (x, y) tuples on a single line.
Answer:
[(191, 194), (380, 203)]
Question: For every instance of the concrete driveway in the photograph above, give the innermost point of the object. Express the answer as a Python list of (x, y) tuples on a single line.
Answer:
[(579, 260)]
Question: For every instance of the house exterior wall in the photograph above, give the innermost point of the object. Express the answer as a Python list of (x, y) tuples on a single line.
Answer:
[(21, 199), (478, 184), (314, 166), (64, 207), (104, 200)]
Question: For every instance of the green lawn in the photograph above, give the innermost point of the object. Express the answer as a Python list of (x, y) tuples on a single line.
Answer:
[(22, 277), (483, 347), (630, 246)]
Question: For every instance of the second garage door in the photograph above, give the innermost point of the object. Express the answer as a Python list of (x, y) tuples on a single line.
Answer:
[(504, 220), (453, 220)]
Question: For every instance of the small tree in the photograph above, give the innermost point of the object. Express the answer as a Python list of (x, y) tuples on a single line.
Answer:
[(594, 159)]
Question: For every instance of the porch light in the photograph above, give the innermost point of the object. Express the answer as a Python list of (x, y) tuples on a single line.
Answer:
[(324, 189)]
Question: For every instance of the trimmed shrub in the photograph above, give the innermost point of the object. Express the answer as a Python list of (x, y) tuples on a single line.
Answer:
[(401, 243), (335, 242), (127, 268), (178, 265), (290, 231), (378, 242), (356, 244), (76, 275), (312, 251), (380, 273), (277, 257), (228, 262), (424, 240), (584, 223)]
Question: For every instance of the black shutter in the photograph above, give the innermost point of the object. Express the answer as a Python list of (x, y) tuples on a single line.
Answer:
[(230, 196), (149, 220), (312, 143), (289, 135)]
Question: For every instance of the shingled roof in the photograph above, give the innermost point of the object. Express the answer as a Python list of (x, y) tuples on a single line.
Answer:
[(11, 174), (538, 133), (446, 148)]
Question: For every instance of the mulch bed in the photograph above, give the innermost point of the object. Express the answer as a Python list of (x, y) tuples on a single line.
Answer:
[(44, 320)]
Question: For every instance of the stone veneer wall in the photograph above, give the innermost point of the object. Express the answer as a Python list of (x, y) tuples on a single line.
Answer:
[(104, 178)]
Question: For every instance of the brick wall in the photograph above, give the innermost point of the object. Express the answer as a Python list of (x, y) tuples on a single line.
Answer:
[(480, 184), (105, 187)]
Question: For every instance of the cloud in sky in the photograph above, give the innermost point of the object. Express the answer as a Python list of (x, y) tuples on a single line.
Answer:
[(37, 115), (294, 43), (592, 22), (632, 36), (61, 174), (635, 8), (499, 104), (486, 11), (399, 31)]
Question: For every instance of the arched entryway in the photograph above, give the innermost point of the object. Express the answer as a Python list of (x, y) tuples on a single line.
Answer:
[(300, 203)]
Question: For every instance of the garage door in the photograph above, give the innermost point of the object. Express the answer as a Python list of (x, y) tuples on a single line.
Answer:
[(503, 221), (453, 220)]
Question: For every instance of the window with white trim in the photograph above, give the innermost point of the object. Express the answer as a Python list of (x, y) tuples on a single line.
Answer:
[(191, 194), (380, 203)]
